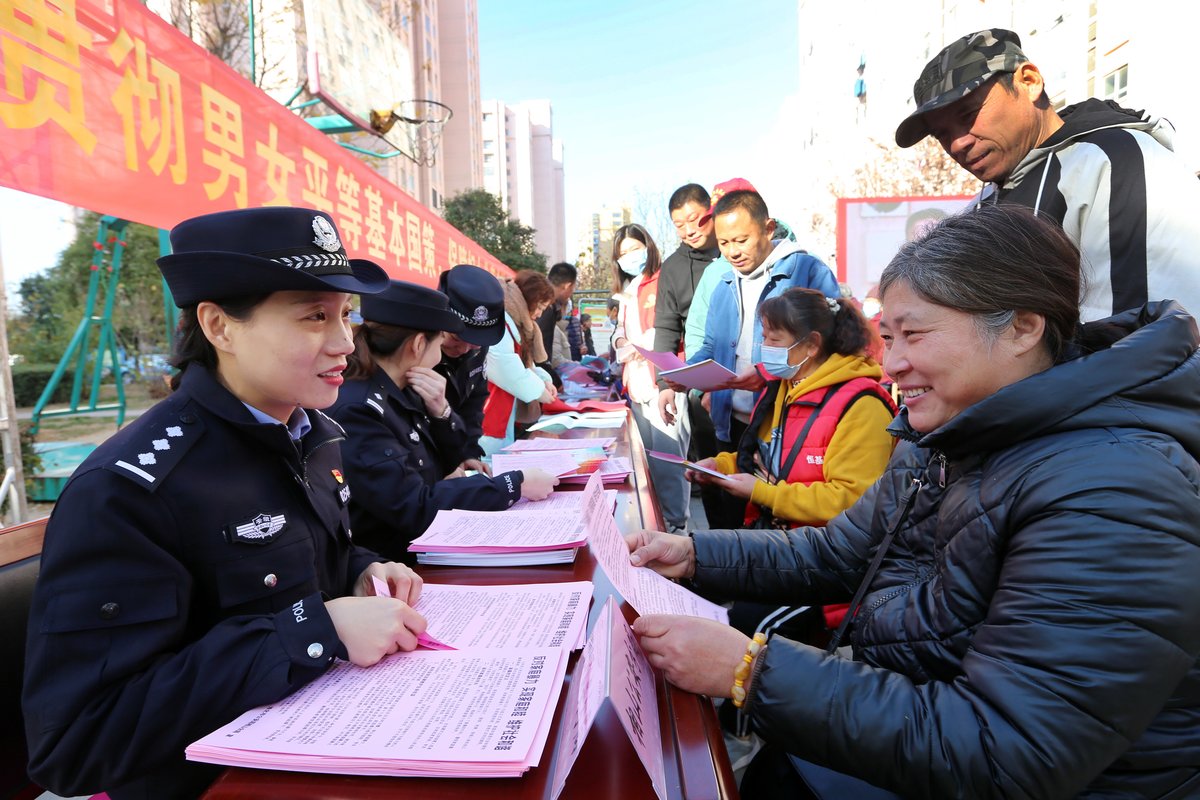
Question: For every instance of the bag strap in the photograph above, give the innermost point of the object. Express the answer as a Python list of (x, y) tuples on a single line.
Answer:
[(907, 502), (785, 467)]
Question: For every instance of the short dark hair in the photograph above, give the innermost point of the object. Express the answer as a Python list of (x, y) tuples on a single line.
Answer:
[(688, 193), (992, 262), (802, 312), (561, 273), (750, 202), (191, 346)]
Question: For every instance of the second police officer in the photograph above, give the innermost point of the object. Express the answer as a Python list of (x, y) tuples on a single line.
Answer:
[(404, 442)]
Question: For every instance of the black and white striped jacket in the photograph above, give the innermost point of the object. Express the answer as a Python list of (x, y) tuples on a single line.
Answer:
[(1111, 178)]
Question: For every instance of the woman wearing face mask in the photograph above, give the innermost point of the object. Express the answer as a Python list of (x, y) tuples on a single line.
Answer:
[(403, 440), (817, 437), (635, 282)]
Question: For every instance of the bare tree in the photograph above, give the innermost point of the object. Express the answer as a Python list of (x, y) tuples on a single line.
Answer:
[(222, 27), (922, 170)]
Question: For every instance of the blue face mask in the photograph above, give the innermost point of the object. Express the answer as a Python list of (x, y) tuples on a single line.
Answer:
[(775, 361), (633, 262)]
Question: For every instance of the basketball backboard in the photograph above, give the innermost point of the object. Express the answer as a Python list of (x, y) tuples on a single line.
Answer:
[(358, 64)]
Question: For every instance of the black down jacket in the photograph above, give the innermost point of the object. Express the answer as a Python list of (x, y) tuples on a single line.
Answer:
[(1034, 629)]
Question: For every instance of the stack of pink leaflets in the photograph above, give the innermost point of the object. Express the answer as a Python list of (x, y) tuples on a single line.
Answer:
[(546, 443), (519, 536), (482, 709), (613, 470), (571, 465)]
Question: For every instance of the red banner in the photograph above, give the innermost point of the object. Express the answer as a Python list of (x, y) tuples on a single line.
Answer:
[(106, 106)]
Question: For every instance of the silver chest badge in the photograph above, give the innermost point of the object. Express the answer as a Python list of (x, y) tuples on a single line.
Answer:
[(261, 529), (413, 435), (326, 236)]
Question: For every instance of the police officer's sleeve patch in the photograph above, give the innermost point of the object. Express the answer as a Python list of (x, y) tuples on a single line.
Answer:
[(150, 457)]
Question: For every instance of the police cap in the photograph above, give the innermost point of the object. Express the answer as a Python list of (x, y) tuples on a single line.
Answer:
[(255, 250), (408, 305), (477, 298)]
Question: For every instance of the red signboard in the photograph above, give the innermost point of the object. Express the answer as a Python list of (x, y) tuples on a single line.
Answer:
[(104, 105)]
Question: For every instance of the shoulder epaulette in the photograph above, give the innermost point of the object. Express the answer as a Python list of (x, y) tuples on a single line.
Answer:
[(375, 400), (161, 445)]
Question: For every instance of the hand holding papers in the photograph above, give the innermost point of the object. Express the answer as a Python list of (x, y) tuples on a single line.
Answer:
[(644, 589), (706, 376), (671, 458), (480, 706)]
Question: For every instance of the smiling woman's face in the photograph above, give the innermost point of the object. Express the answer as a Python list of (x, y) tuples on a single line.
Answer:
[(938, 358)]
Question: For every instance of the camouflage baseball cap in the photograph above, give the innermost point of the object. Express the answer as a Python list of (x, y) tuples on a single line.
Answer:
[(962, 67)]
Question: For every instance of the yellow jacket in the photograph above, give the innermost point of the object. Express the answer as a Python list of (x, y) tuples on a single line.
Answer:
[(857, 453)]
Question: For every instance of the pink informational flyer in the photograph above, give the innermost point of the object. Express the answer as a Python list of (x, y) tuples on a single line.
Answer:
[(664, 361), (643, 588), (612, 674), (671, 458), (427, 713)]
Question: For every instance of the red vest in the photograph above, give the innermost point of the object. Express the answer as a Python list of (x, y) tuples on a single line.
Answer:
[(498, 408), (815, 417)]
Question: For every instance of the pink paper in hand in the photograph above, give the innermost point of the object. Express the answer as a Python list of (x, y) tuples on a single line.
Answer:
[(423, 640)]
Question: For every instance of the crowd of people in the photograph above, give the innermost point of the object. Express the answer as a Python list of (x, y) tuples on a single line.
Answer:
[(986, 591)]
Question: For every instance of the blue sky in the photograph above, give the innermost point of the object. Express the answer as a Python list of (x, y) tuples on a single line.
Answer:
[(646, 95)]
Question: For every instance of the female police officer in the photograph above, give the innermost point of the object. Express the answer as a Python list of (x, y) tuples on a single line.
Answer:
[(402, 438), (189, 562)]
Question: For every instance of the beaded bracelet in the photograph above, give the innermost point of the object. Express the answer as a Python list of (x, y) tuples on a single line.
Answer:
[(743, 669)]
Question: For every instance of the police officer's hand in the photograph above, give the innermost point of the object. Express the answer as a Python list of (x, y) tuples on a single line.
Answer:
[(401, 580), (431, 387), (666, 405), (668, 554), (373, 627), (477, 465), (537, 484)]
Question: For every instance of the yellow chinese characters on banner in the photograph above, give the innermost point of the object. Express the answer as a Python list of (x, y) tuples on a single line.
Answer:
[(107, 107)]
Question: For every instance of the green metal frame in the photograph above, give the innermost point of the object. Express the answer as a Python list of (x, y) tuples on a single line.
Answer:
[(111, 230)]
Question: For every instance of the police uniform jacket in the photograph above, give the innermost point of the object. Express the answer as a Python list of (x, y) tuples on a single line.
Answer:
[(466, 392), (397, 456), (182, 583)]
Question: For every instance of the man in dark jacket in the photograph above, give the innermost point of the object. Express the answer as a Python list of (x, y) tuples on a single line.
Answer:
[(681, 271), (1106, 174), (562, 277)]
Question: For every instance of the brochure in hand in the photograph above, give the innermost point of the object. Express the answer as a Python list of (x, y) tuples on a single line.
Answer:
[(671, 458)]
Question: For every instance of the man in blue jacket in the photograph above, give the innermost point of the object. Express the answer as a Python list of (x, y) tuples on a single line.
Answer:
[(761, 266)]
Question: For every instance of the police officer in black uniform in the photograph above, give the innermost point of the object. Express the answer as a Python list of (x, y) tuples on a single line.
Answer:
[(189, 563), (404, 441), (477, 299)]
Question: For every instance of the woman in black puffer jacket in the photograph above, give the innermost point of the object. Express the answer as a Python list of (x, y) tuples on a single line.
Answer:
[(1032, 630)]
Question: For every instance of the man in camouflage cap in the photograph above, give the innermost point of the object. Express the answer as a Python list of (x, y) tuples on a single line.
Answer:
[(1106, 174)]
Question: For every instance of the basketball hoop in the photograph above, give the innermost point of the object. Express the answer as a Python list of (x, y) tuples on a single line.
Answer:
[(423, 122)]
